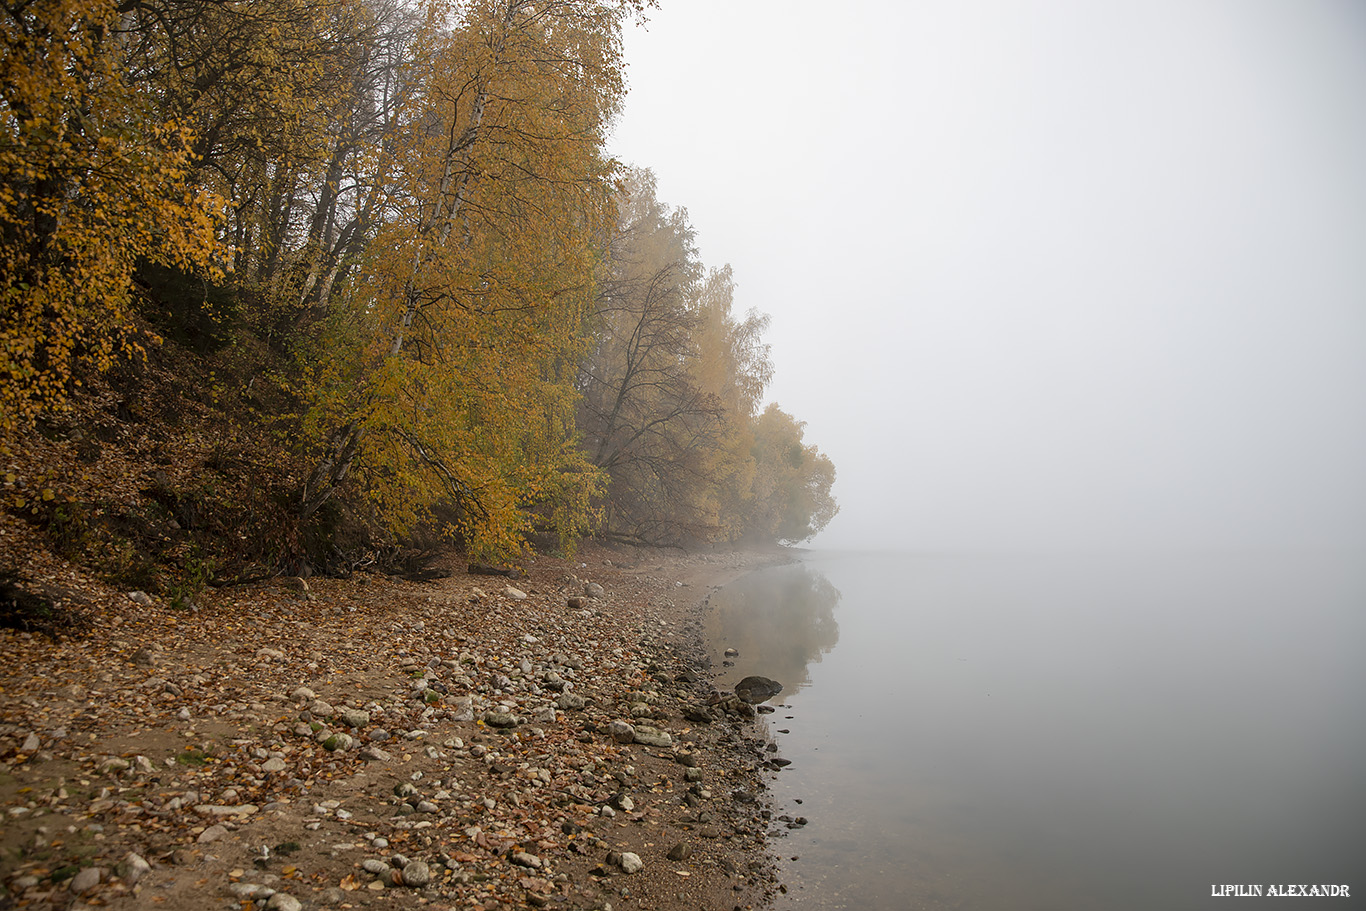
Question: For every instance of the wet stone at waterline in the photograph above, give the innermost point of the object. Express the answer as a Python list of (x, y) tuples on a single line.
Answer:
[(755, 689)]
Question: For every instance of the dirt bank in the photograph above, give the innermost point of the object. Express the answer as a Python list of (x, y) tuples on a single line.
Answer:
[(376, 743)]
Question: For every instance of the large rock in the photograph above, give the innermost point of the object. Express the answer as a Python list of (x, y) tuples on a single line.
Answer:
[(212, 834), (355, 718), (500, 720), (416, 874), (652, 736), (755, 689), (86, 880), (698, 713), (133, 868)]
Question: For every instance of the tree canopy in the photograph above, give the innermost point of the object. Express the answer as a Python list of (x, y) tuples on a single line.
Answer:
[(407, 212)]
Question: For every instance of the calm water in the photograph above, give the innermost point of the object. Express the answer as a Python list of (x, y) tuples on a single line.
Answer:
[(1061, 733)]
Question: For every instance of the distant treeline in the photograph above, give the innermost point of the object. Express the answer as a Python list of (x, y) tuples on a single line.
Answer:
[(406, 212)]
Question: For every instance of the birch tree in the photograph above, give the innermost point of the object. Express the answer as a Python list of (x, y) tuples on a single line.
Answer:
[(465, 319), (92, 180)]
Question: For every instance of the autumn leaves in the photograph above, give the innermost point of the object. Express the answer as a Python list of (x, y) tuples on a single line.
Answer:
[(416, 200)]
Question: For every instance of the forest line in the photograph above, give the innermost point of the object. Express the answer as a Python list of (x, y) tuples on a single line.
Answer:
[(396, 232)]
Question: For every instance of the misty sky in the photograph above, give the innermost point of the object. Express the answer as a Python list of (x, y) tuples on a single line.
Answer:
[(1041, 274)]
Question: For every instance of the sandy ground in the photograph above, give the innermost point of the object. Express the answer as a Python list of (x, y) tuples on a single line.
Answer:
[(376, 743)]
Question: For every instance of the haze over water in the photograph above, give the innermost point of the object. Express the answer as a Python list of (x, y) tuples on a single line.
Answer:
[(1060, 732)]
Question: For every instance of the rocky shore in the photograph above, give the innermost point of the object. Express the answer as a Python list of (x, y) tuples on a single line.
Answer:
[(552, 740)]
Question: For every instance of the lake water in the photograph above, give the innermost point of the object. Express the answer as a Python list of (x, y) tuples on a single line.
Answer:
[(974, 732)]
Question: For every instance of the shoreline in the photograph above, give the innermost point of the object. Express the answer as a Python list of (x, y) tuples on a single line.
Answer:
[(369, 742)]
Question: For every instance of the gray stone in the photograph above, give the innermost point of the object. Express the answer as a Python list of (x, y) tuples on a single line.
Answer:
[(375, 867), (515, 594), (212, 834), (250, 891), (417, 874), (339, 743), (133, 868), (630, 863), (571, 702), (273, 764), (375, 754), (355, 717), (31, 744), (283, 901), (523, 859), (698, 713), (652, 736), (755, 689), (86, 880), (680, 851), (500, 720), (622, 732), (140, 598), (209, 809)]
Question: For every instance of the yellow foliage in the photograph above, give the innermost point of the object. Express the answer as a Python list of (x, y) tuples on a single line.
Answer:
[(90, 182), (455, 348)]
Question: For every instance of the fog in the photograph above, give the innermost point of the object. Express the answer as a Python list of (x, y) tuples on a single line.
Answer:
[(1041, 274)]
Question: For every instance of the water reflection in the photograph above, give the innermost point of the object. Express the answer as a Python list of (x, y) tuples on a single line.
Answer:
[(781, 620), (1059, 733)]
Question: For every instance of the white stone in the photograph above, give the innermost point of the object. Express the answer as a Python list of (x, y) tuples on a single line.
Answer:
[(133, 868), (209, 809)]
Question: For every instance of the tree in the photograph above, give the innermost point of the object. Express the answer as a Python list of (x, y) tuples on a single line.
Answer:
[(448, 369), (92, 180), (671, 384), (646, 422), (792, 488)]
